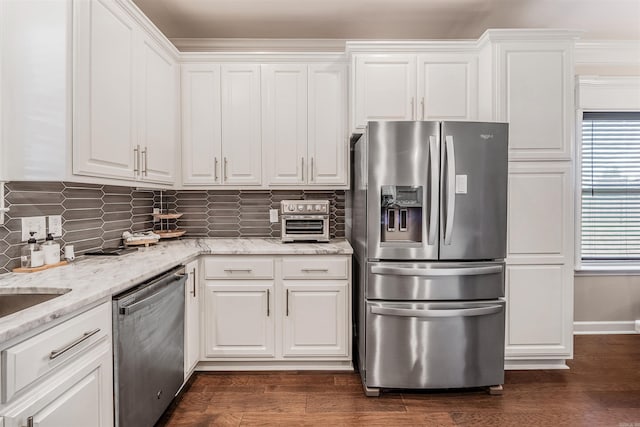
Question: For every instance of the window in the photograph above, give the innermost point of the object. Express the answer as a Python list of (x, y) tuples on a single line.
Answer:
[(610, 186)]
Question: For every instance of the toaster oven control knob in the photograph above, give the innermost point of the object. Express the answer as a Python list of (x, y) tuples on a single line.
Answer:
[(291, 208), (318, 208), (300, 208), (309, 208)]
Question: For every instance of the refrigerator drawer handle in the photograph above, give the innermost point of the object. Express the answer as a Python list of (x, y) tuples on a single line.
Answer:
[(451, 189), (436, 272), (464, 312)]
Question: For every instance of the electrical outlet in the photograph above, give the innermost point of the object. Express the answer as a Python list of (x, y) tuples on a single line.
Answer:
[(156, 211), (273, 215), (34, 223), (55, 225)]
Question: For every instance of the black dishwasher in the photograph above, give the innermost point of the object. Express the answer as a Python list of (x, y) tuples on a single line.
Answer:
[(148, 348)]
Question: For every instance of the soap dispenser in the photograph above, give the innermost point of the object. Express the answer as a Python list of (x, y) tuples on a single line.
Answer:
[(31, 254), (51, 251)]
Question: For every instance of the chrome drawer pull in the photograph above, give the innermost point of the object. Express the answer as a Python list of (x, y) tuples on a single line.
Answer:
[(84, 337), (311, 270), (231, 270), (30, 422), (424, 313), (268, 298)]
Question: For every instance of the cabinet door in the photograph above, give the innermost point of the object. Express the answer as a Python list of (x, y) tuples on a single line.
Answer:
[(447, 87), (80, 395), (315, 319), (327, 140), (239, 319), (157, 117), (201, 124), (539, 311), (104, 134), (191, 318), (284, 123), (385, 88), (536, 98), (241, 135)]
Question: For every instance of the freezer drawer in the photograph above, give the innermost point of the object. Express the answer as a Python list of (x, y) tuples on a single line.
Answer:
[(435, 281), (434, 345)]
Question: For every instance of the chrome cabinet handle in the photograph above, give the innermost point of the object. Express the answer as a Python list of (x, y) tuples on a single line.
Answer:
[(309, 270), (145, 154), (225, 169), (30, 422), (287, 303), (215, 169), (193, 273), (57, 353), (422, 105), (231, 270), (464, 312), (436, 272), (268, 297), (302, 169), (312, 171), (451, 189), (413, 109), (136, 160), (434, 149)]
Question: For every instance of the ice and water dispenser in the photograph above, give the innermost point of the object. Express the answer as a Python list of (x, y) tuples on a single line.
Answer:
[(401, 213)]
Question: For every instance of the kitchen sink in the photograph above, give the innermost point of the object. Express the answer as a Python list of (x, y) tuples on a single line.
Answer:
[(13, 302)]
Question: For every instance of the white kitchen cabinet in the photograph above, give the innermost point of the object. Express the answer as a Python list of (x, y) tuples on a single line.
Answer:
[(539, 313), (241, 135), (158, 115), (125, 98), (201, 124), (428, 86), (303, 128), (106, 47), (239, 319), (192, 291), (315, 322), (72, 388)]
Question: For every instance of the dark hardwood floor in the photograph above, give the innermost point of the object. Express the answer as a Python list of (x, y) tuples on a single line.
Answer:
[(602, 388)]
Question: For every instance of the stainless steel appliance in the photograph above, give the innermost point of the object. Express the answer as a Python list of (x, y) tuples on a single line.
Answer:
[(305, 220), (148, 341), (428, 229)]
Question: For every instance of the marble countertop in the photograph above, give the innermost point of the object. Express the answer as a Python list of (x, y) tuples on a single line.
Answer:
[(92, 279)]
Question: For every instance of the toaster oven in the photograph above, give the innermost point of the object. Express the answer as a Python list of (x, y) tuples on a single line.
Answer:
[(305, 220)]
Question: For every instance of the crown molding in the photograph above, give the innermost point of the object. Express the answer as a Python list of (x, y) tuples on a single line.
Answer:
[(409, 46), (262, 57), (528, 35), (258, 45), (607, 52)]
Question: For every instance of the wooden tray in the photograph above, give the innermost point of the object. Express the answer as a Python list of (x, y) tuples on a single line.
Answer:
[(167, 216), (168, 234), (41, 268), (146, 243)]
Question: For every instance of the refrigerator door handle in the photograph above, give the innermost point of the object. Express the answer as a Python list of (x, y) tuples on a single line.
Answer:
[(434, 151), (436, 272), (451, 189), (464, 312)]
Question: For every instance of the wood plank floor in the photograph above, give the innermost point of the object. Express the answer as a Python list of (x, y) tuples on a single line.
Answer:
[(602, 388)]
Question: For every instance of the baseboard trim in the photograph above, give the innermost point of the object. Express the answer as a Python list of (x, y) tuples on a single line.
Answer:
[(205, 365), (528, 364), (602, 328)]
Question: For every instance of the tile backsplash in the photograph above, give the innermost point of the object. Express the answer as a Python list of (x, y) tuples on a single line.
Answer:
[(95, 216)]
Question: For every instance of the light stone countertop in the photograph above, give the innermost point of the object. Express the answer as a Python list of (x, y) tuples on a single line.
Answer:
[(97, 278)]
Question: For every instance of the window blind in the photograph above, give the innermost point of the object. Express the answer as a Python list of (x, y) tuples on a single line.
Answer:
[(611, 186)]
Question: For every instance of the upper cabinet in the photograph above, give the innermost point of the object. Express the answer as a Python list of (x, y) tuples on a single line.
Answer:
[(125, 98), (264, 125), (528, 79), (303, 124), (428, 86)]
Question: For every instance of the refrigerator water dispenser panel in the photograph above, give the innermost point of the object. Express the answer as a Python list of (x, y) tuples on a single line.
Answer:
[(401, 214)]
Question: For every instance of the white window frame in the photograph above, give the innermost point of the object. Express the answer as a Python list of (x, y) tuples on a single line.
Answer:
[(600, 94)]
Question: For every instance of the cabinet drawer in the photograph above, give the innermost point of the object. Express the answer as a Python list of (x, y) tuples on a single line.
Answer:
[(238, 267), (37, 356), (321, 267)]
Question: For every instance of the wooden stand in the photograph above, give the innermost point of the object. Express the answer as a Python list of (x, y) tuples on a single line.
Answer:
[(41, 268), (146, 243)]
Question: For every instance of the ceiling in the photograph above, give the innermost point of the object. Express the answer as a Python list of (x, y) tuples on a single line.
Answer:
[(388, 19)]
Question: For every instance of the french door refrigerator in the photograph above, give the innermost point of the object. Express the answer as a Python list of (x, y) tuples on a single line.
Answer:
[(428, 204)]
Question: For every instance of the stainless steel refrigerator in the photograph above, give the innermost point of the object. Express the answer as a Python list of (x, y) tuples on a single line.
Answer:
[(428, 227)]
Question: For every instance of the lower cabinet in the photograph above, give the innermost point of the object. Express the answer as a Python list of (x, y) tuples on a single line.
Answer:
[(277, 310), (75, 385)]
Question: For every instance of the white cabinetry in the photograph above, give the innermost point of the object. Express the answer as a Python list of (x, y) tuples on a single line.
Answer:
[(53, 383), (303, 124), (213, 95), (266, 312), (192, 291), (429, 86), (124, 98)]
